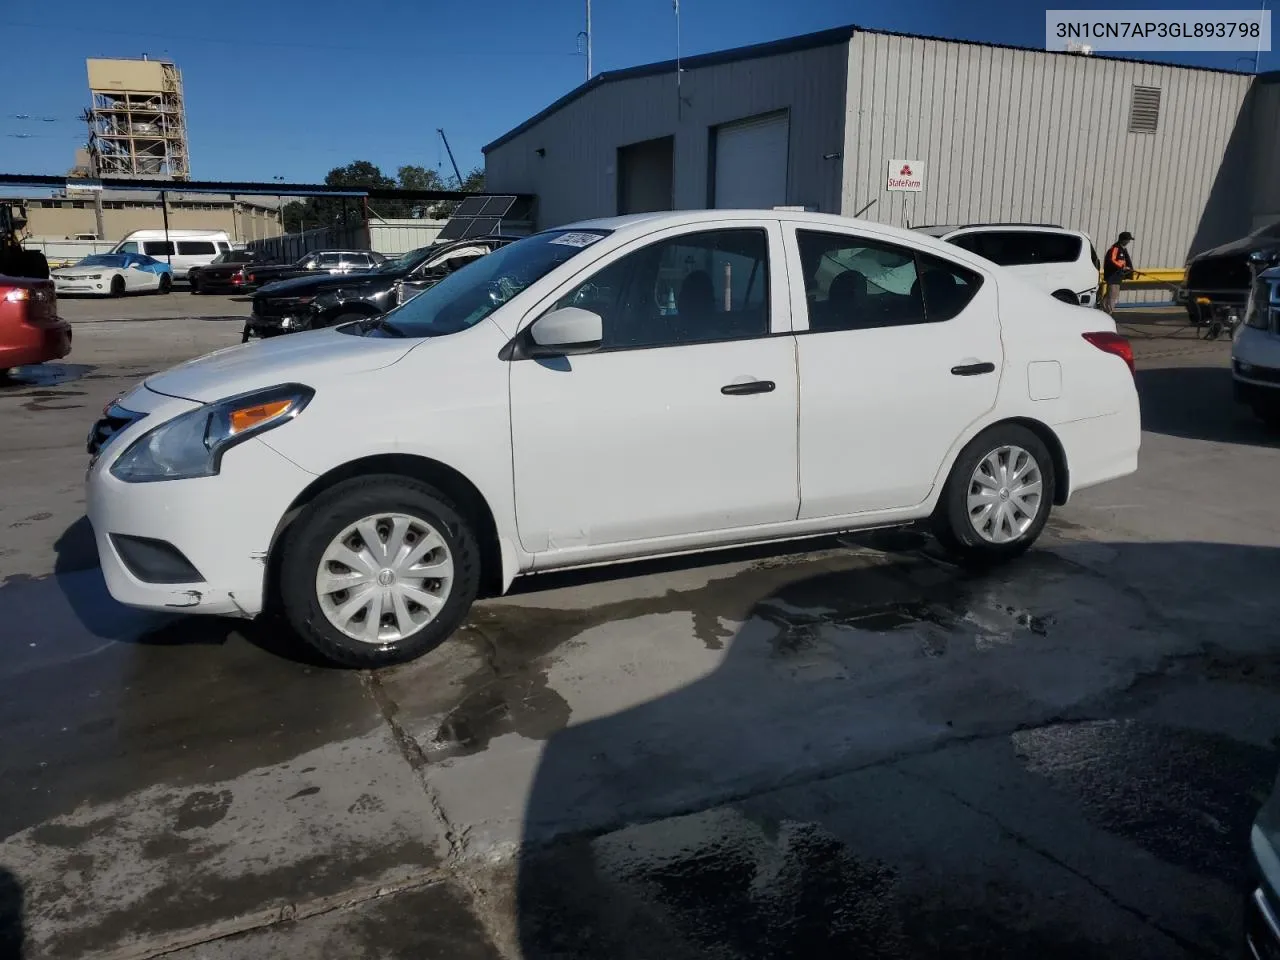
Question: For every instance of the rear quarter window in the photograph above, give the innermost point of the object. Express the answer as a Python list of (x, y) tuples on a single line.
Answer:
[(157, 248)]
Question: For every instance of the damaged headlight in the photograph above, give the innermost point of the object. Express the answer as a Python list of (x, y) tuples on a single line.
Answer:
[(192, 444)]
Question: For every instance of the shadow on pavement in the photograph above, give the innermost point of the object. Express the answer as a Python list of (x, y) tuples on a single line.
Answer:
[(1197, 403), (11, 919), (843, 780)]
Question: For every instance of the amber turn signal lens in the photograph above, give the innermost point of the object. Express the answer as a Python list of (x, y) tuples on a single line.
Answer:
[(247, 417)]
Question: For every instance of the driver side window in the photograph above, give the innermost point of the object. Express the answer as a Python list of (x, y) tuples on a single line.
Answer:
[(129, 247), (694, 288)]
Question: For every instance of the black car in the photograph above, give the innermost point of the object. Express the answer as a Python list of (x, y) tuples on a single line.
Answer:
[(308, 303), (226, 272), (316, 263), (1218, 280)]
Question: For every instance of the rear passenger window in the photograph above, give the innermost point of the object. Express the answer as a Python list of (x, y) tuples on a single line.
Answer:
[(196, 248), (695, 288), (852, 283), (157, 248)]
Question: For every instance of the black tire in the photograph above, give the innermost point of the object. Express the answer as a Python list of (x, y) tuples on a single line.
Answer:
[(348, 502), (166, 283), (952, 523), (1066, 296), (194, 283), (117, 286)]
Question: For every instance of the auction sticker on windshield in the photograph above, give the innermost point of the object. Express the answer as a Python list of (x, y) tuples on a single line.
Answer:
[(576, 239)]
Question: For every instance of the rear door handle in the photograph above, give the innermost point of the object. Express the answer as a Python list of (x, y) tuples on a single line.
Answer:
[(751, 386), (973, 369)]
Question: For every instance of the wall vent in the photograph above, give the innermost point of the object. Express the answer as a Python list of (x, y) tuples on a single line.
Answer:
[(1144, 110)]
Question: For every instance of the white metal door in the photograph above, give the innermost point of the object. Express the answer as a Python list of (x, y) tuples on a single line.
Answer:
[(880, 406), (659, 442), (751, 163)]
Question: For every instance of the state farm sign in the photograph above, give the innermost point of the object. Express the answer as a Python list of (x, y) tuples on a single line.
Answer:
[(906, 175)]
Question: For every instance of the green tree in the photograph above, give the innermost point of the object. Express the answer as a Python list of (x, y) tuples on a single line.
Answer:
[(474, 182)]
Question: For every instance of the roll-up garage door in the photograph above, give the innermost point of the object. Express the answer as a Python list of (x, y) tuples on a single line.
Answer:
[(751, 163)]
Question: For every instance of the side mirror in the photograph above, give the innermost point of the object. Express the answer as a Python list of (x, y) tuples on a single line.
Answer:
[(560, 333)]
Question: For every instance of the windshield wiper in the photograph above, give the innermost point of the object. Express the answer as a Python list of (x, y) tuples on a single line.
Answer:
[(381, 323)]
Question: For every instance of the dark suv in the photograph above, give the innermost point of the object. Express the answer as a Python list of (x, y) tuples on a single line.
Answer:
[(325, 301)]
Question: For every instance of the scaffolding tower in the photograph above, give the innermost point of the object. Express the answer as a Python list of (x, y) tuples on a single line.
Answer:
[(137, 120)]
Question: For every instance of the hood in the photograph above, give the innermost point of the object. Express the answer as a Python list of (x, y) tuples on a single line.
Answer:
[(1241, 247), (79, 271), (309, 358), (301, 286)]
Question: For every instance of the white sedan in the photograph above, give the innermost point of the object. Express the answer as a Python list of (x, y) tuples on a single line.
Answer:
[(114, 275), (624, 388)]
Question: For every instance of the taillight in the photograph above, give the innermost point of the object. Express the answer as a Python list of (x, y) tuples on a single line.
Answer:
[(252, 278), (1113, 343), (15, 294), (237, 278)]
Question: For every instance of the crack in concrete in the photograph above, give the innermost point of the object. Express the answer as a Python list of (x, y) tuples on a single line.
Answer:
[(414, 756), (1192, 948)]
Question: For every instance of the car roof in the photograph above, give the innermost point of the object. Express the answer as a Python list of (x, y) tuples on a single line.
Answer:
[(942, 230), (154, 234), (643, 223)]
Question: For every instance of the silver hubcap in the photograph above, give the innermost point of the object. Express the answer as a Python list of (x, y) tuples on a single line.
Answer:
[(1004, 494), (384, 578)]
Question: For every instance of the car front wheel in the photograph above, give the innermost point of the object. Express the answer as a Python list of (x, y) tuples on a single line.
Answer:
[(117, 286), (997, 499), (378, 570)]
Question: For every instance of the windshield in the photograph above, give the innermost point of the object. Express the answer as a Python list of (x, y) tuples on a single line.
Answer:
[(234, 256), (103, 260), (405, 262), (464, 298)]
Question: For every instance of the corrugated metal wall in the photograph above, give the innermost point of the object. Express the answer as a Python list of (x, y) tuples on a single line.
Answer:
[(576, 179), (1265, 151), (1026, 135)]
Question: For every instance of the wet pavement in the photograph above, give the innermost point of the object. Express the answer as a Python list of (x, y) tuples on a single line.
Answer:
[(850, 749)]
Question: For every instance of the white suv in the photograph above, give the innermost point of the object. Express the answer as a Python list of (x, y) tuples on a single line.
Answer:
[(1063, 263)]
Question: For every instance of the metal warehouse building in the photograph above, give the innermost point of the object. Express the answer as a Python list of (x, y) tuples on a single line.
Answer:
[(1184, 157)]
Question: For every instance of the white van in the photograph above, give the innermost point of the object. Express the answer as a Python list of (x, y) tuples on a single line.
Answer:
[(189, 248)]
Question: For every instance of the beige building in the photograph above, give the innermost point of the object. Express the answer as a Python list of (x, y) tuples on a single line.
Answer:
[(66, 217)]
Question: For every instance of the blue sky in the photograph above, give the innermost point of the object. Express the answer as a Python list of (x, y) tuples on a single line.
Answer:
[(291, 88)]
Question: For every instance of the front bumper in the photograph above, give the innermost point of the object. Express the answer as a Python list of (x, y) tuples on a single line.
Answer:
[(100, 288), (222, 526)]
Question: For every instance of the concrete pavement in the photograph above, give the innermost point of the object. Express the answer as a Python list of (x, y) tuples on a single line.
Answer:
[(852, 748)]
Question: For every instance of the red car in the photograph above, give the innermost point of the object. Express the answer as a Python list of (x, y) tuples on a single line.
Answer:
[(30, 330)]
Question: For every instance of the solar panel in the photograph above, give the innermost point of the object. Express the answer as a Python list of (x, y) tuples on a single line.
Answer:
[(476, 217), (470, 207)]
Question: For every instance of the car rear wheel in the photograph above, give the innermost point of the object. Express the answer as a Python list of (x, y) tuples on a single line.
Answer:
[(117, 286), (997, 499), (378, 570), (166, 283)]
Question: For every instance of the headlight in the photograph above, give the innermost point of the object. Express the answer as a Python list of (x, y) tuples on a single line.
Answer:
[(192, 445), (92, 276)]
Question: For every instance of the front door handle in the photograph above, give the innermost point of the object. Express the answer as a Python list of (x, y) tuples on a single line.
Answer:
[(973, 369), (751, 386)]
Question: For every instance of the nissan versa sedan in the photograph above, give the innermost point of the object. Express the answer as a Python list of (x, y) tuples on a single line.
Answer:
[(633, 387)]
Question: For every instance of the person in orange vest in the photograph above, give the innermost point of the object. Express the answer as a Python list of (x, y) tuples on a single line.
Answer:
[(1116, 269)]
